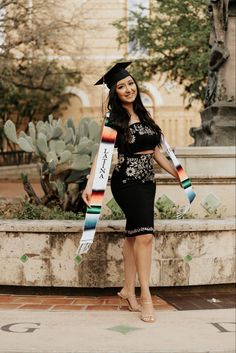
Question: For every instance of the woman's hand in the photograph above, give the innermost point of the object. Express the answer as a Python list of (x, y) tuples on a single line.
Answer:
[(86, 195), (165, 163)]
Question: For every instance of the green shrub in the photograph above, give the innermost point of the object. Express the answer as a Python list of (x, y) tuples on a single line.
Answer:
[(23, 209)]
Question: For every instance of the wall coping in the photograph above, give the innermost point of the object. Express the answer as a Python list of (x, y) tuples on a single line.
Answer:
[(71, 226), (206, 151), (200, 179)]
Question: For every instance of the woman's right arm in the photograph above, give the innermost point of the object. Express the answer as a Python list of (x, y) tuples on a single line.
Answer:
[(86, 195)]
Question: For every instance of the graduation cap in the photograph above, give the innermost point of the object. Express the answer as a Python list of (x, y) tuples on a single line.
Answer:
[(115, 74)]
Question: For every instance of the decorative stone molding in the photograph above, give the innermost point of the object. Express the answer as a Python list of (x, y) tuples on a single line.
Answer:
[(79, 93)]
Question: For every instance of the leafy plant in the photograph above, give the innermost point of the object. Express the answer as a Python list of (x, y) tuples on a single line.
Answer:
[(113, 215), (65, 154), (23, 209), (32, 79), (171, 40), (171, 213)]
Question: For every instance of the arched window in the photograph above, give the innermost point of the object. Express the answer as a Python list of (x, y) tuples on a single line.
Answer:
[(148, 103), (77, 105)]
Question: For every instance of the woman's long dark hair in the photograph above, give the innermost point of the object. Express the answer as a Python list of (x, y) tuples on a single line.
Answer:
[(120, 117)]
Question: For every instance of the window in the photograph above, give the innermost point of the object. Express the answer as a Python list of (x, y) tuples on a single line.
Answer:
[(148, 103), (133, 6), (2, 34)]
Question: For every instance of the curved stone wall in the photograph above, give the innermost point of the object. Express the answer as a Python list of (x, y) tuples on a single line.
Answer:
[(186, 252)]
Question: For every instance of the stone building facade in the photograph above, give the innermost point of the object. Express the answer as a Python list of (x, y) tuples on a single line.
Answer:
[(100, 51)]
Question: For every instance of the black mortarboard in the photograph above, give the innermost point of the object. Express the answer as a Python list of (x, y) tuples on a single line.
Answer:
[(115, 74)]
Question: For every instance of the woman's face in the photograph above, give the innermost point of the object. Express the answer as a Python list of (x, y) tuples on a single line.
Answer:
[(126, 90)]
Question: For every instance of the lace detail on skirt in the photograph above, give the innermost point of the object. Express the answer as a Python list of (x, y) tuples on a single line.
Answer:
[(140, 230)]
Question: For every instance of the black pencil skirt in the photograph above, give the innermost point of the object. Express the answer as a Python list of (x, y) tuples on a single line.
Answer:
[(136, 199)]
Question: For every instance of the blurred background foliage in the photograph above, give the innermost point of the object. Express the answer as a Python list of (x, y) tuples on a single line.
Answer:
[(32, 80), (171, 40)]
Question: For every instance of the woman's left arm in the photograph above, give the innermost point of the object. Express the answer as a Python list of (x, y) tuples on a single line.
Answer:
[(164, 163)]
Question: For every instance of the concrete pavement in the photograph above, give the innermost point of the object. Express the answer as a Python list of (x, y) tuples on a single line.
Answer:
[(191, 331)]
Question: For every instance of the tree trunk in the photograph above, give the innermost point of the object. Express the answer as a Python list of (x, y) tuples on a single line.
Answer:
[(29, 190)]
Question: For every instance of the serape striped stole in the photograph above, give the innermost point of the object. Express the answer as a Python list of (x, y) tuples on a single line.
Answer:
[(104, 158)]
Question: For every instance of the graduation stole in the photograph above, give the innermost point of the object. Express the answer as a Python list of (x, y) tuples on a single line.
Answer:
[(104, 158), (102, 170), (184, 179)]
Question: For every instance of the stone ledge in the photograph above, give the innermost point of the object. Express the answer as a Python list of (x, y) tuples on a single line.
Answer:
[(66, 226), (13, 172), (197, 179), (206, 152)]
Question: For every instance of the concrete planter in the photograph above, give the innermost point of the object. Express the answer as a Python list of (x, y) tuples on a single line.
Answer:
[(186, 252)]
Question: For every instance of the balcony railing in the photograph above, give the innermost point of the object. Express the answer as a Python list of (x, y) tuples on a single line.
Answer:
[(15, 158)]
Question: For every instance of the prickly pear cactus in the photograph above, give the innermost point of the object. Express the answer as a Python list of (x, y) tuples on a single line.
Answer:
[(65, 152)]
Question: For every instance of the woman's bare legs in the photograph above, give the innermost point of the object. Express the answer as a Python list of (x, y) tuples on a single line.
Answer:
[(143, 255), (130, 271), (129, 265)]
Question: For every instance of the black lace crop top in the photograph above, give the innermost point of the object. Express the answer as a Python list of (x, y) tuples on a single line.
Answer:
[(142, 137)]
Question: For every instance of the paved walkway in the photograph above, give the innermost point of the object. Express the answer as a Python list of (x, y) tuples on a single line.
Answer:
[(200, 331), (15, 189), (70, 303), (82, 324)]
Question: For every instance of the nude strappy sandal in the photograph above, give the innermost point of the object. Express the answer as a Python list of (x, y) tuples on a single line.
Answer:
[(127, 297), (150, 318)]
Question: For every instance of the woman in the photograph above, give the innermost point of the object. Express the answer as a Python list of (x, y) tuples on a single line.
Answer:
[(132, 182)]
